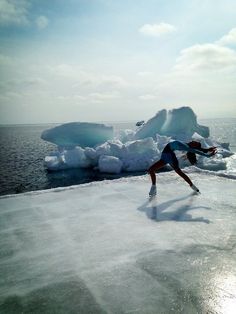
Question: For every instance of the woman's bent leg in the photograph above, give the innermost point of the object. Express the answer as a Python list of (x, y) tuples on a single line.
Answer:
[(158, 165)]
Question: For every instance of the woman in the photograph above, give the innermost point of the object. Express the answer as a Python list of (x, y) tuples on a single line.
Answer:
[(168, 157)]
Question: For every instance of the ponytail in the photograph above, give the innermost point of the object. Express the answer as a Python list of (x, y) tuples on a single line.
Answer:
[(192, 158)]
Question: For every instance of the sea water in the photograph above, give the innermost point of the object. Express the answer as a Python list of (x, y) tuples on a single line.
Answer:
[(22, 153)]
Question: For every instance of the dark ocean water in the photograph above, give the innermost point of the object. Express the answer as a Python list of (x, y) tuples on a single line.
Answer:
[(22, 155)]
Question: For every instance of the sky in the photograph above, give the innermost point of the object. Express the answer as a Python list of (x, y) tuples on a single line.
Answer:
[(108, 60)]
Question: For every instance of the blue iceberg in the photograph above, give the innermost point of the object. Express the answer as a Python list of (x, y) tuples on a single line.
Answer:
[(83, 134), (177, 123)]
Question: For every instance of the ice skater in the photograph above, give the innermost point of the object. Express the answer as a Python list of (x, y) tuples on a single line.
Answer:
[(168, 157)]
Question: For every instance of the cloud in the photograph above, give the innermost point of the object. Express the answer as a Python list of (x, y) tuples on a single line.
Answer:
[(157, 30), (206, 57), (42, 22), (228, 39), (144, 73), (148, 97), (22, 84), (82, 78), (111, 82), (102, 97), (73, 99), (203, 74), (89, 98), (209, 57), (14, 12)]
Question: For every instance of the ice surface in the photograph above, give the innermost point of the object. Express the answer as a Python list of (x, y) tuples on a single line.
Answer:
[(104, 248), (132, 150), (78, 134)]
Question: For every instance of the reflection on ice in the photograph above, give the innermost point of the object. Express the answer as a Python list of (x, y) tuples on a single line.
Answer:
[(224, 293)]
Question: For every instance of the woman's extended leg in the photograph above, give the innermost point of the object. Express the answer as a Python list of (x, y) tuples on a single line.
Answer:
[(186, 178), (158, 165), (183, 175)]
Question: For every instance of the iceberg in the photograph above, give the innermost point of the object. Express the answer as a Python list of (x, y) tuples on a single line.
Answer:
[(78, 134), (104, 248), (86, 145), (180, 123)]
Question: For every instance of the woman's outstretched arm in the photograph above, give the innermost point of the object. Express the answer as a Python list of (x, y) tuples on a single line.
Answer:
[(209, 149), (203, 151)]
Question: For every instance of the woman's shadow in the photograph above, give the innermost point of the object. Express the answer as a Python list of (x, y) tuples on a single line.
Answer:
[(155, 211)]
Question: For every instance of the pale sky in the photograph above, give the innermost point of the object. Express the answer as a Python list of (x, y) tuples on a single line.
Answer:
[(109, 60)]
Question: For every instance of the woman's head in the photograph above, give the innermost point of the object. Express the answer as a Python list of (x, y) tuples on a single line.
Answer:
[(194, 144)]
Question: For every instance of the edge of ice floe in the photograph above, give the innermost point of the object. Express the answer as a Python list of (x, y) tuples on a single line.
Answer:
[(144, 177)]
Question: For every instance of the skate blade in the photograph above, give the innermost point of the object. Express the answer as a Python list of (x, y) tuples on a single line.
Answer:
[(151, 197)]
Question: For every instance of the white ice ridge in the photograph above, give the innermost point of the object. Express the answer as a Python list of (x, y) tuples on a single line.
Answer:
[(103, 248), (131, 150)]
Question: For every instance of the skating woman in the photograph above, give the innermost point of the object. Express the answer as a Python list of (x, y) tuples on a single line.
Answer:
[(168, 157)]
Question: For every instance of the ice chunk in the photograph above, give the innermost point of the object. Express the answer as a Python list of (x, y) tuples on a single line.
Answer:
[(231, 164), (103, 149), (53, 163), (76, 157), (141, 146), (183, 121), (152, 126), (215, 163), (178, 123), (162, 141), (197, 137), (91, 154), (117, 148), (140, 154), (109, 164), (78, 134), (134, 155), (126, 135), (222, 148), (72, 158)]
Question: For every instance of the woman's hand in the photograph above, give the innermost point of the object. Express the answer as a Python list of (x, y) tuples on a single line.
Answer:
[(213, 150)]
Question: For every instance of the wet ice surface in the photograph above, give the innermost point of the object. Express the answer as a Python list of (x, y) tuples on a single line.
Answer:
[(105, 248)]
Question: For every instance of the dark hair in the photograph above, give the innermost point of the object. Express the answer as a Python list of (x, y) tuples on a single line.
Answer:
[(195, 144), (192, 158)]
